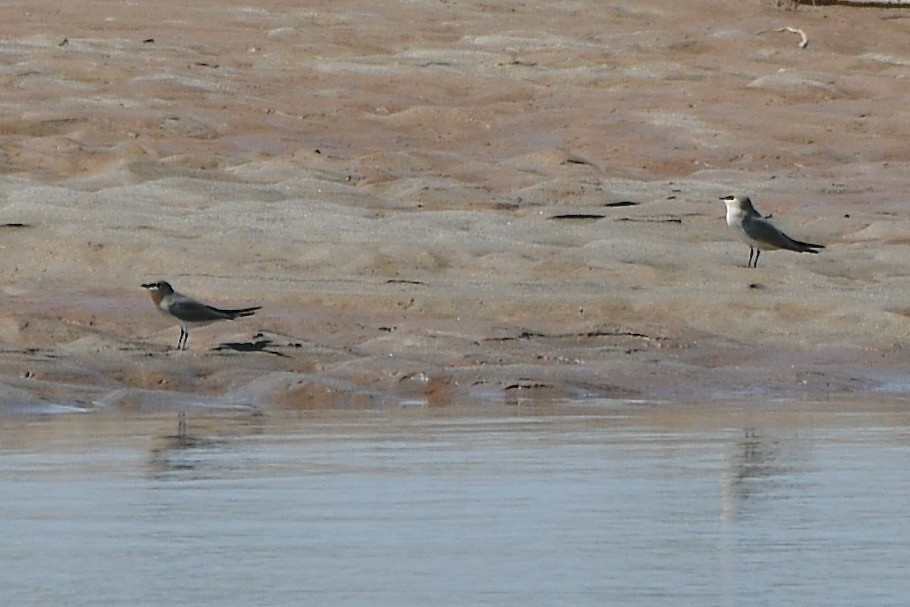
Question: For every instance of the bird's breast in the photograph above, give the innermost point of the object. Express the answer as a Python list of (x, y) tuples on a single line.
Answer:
[(734, 218), (156, 298)]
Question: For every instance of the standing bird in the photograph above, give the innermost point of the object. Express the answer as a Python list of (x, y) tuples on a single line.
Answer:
[(759, 233), (189, 311)]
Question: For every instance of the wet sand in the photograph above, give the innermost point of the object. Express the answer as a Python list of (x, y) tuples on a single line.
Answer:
[(392, 184)]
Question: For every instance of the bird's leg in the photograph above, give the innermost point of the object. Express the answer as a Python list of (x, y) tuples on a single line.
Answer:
[(181, 343), (757, 253), (751, 253)]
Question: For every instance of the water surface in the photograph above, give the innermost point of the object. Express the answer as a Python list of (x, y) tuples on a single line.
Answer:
[(564, 504)]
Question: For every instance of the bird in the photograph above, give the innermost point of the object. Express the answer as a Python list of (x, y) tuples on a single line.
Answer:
[(759, 233), (189, 311)]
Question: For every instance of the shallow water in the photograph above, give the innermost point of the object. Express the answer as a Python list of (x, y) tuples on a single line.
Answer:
[(594, 503)]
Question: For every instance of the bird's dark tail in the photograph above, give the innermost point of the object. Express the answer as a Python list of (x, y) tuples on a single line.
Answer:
[(809, 247), (240, 313)]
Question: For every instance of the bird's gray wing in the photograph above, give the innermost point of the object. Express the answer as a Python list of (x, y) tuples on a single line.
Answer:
[(763, 232), (190, 310)]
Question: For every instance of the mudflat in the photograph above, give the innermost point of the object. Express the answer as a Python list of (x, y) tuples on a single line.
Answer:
[(449, 201)]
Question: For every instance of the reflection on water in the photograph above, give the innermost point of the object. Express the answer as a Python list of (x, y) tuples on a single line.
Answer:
[(582, 503), (753, 462)]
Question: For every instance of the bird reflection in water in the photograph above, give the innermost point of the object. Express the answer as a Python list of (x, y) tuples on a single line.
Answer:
[(752, 470), (178, 453), (207, 448)]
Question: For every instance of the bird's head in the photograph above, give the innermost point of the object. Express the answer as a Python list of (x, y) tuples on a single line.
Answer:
[(738, 202), (159, 287)]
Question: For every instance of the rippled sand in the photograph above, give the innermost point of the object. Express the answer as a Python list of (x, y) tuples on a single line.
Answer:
[(392, 183)]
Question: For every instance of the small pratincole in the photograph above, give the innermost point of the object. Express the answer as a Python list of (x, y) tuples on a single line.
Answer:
[(189, 311), (759, 233)]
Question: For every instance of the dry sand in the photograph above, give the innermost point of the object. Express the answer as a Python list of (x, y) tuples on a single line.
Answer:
[(383, 178)]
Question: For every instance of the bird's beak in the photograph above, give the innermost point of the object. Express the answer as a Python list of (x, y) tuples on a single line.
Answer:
[(148, 286)]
